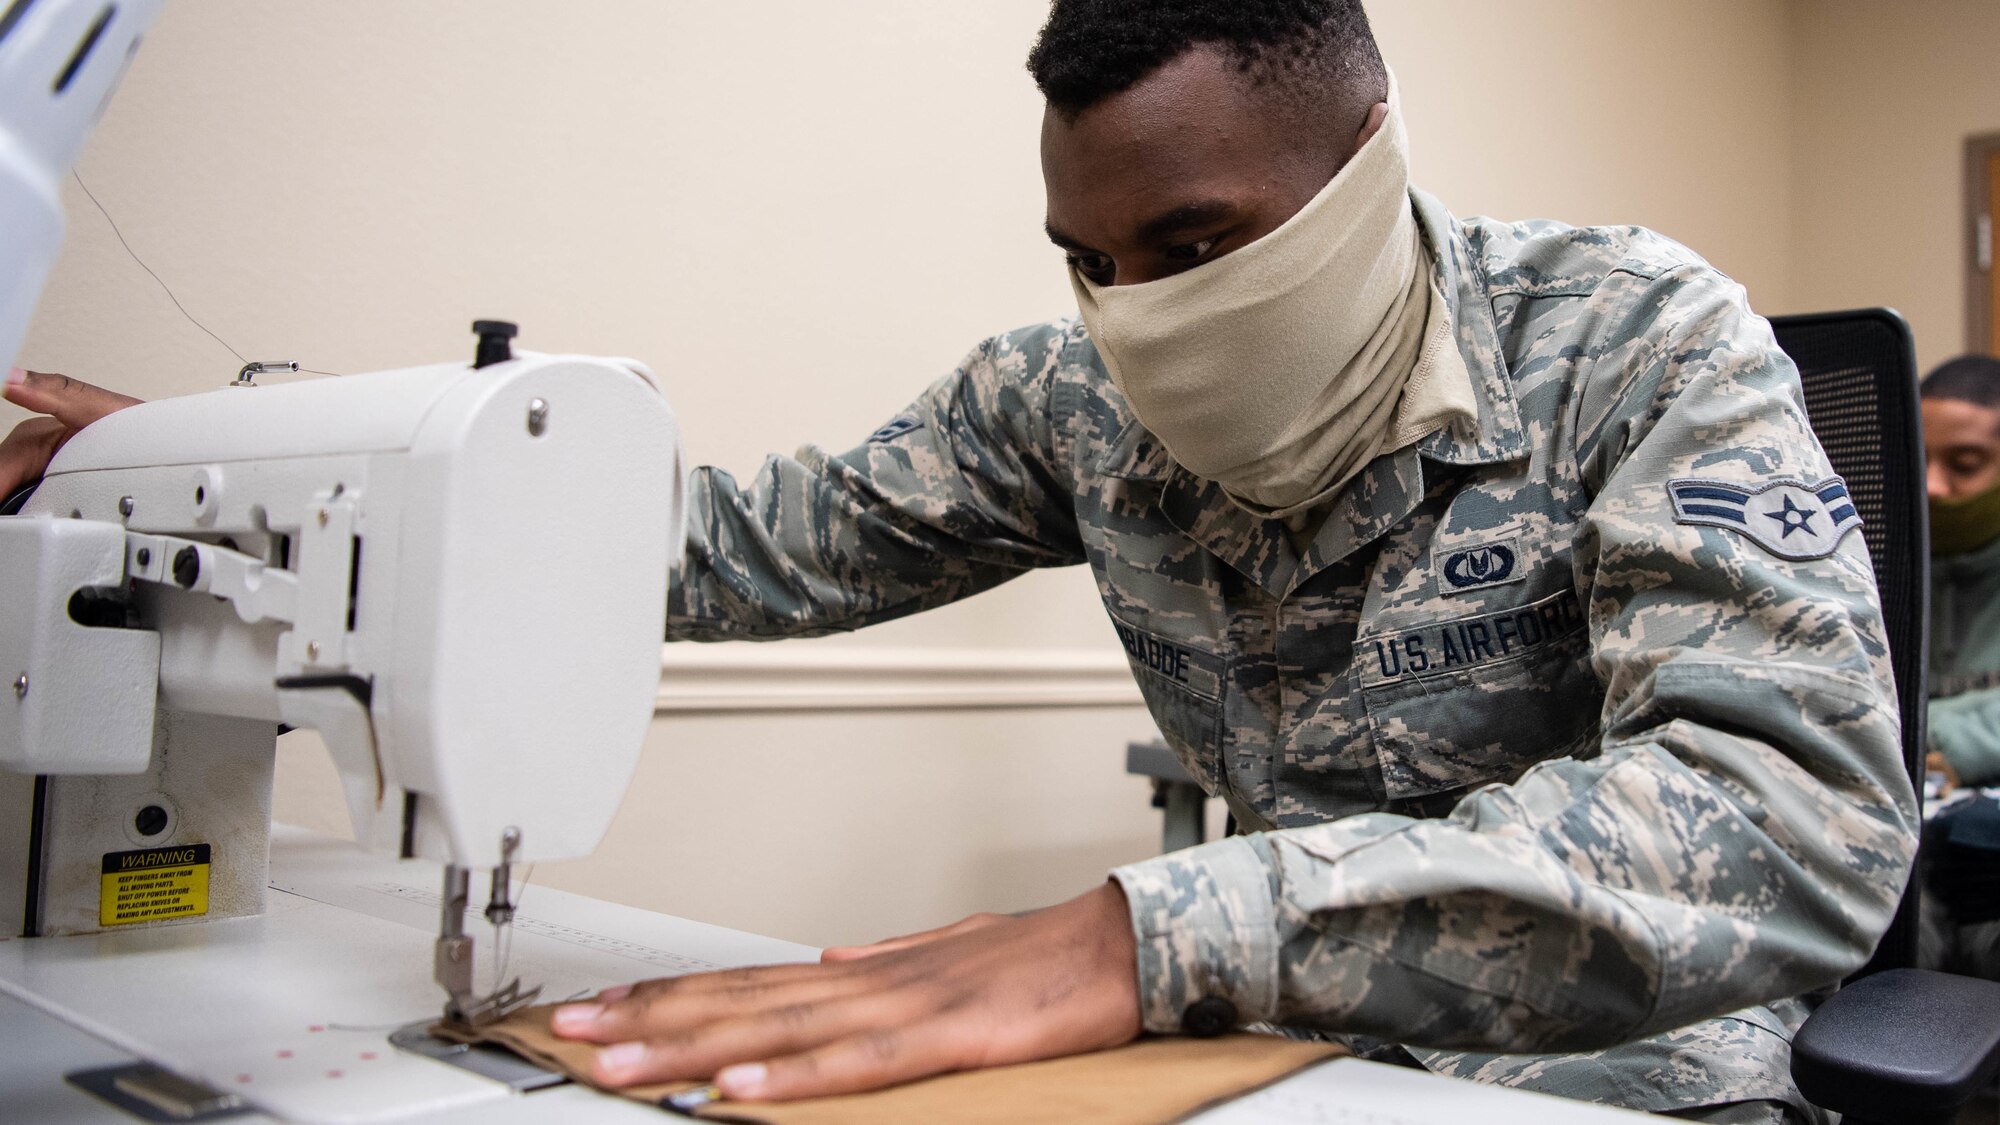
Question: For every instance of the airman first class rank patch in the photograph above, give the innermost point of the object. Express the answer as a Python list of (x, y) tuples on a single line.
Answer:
[(1787, 517)]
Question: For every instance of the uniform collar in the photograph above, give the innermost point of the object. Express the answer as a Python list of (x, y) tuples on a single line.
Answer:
[(1392, 485), (1496, 433)]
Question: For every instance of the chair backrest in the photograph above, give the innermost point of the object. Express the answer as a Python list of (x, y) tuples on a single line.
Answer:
[(1859, 372)]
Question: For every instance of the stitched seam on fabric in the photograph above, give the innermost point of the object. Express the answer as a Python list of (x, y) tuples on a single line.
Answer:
[(1843, 682), (1659, 958), (1064, 448), (1656, 348), (1659, 950), (1383, 953), (1572, 290), (1435, 975)]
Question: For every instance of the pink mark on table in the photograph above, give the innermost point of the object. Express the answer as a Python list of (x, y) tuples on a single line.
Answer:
[(316, 1027), (285, 1054), (333, 1074), (244, 1078), (367, 1056)]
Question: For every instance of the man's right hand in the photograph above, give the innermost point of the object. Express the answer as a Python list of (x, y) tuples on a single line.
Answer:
[(70, 407)]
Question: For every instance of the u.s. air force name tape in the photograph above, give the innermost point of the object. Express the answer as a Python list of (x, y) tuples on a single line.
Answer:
[(1786, 516)]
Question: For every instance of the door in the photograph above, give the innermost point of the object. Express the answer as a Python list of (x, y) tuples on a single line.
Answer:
[(1982, 200), (1986, 251)]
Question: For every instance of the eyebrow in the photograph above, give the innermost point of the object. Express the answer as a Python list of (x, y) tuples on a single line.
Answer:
[(1060, 239), (1161, 228), (1188, 216)]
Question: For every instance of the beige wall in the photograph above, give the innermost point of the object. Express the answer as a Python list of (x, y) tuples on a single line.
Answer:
[(1888, 93), (1668, 115), (799, 217)]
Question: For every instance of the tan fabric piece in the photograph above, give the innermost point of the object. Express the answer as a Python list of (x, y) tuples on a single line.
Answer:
[(1280, 370), (1150, 1082)]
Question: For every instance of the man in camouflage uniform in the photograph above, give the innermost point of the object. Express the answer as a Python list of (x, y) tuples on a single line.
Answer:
[(1700, 802), (1570, 726), (1563, 736)]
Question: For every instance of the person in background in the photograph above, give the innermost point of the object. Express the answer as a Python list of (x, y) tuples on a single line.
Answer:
[(1961, 408)]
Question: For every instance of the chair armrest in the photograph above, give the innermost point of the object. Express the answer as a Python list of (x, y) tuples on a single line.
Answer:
[(1900, 1045), (1154, 760)]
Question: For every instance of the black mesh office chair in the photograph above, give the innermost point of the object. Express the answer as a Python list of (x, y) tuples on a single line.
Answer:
[(1897, 1044)]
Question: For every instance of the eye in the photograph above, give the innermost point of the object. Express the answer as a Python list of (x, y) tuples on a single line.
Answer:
[(1189, 253), (1096, 267)]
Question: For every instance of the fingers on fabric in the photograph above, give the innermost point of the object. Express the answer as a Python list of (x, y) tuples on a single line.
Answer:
[(694, 1027), (712, 1047), (72, 402), (869, 1060)]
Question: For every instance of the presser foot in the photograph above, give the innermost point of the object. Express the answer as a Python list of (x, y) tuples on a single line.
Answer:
[(469, 1011), (453, 958)]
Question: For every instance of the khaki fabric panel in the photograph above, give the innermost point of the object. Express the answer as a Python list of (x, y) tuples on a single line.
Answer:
[(1150, 1082)]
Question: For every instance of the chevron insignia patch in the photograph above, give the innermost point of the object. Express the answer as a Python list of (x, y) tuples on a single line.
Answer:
[(1787, 517), (898, 426)]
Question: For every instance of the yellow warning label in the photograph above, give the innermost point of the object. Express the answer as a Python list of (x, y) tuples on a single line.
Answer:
[(153, 885)]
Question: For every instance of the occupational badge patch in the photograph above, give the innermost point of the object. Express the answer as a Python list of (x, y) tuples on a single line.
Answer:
[(1477, 567), (1787, 517)]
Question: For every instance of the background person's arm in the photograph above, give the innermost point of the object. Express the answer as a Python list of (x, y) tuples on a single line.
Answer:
[(1965, 729)]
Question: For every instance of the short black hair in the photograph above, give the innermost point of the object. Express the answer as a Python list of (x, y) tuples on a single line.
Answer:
[(1091, 49), (1969, 378)]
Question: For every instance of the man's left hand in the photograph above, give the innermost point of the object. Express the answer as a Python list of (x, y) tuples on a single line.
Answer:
[(988, 991)]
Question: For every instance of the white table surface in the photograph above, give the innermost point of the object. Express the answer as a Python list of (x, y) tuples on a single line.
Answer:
[(293, 1010)]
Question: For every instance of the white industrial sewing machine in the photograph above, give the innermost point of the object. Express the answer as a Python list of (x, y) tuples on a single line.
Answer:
[(456, 574)]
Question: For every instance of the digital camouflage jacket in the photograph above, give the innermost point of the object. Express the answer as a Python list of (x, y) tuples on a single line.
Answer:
[(1572, 728)]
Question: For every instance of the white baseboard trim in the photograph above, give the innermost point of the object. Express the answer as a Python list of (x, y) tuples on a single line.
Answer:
[(697, 678)]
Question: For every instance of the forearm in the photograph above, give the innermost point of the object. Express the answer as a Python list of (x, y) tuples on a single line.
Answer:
[(1589, 903), (1966, 730)]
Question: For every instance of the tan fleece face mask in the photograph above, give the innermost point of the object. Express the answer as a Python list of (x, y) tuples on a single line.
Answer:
[(1279, 370)]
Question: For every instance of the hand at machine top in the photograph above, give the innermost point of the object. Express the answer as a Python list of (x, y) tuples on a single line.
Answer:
[(69, 406)]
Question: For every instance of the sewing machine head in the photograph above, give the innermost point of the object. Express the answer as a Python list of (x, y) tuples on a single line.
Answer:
[(456, 574)]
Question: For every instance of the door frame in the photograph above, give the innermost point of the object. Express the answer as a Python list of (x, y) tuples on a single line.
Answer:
[(1979, 153)]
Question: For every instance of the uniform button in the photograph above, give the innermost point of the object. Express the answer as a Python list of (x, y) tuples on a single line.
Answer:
[(1208, 1017)]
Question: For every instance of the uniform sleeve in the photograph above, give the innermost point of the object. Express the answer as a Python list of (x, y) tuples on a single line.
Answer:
[(1966, 730), (955, 495), (1742, 832)]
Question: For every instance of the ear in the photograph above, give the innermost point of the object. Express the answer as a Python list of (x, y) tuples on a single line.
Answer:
[(1372, 124)]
